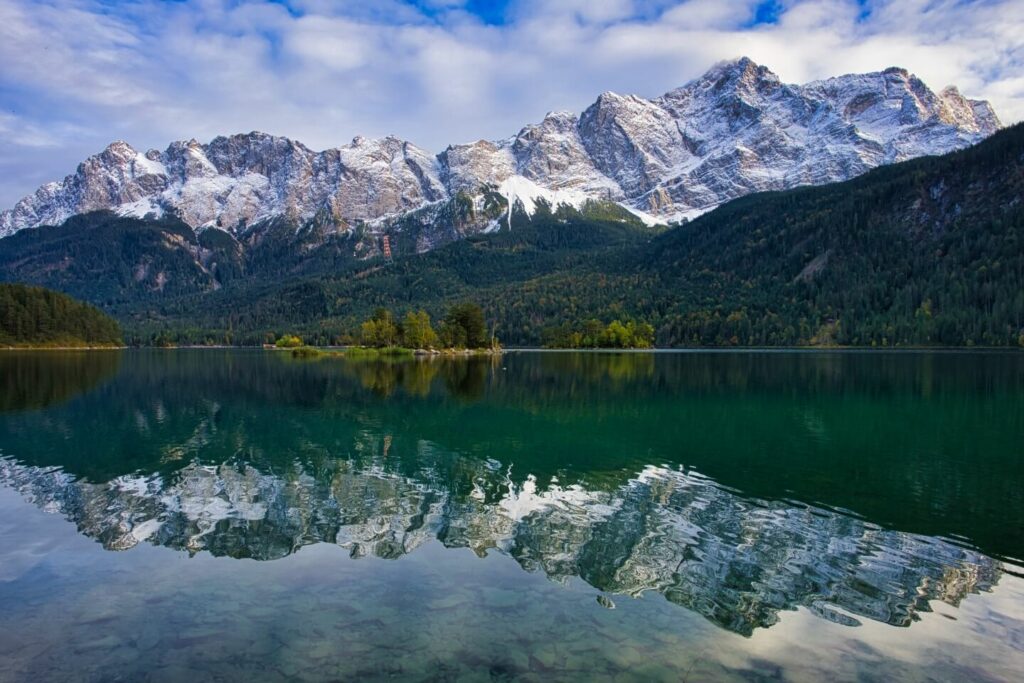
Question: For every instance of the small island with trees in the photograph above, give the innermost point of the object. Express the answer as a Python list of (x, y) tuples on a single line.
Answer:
[(593, 334), (462, 331), (35, 317)]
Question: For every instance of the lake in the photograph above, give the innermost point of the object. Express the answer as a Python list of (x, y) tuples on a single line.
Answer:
[(243, 515)]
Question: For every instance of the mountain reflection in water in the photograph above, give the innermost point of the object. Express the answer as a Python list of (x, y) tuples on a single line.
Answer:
[(568, 464), (735, 561)]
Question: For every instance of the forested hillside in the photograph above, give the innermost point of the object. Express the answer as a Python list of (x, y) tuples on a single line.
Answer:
[(926, 252), (330, 306), (33, 316)]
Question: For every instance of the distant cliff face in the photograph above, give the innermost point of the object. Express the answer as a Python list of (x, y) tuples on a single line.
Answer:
[(733, 131)]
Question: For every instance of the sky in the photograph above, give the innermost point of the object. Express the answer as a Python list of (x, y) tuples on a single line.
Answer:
[(78, 74)]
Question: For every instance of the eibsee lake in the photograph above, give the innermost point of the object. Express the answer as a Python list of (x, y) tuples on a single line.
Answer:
[(242, 515)]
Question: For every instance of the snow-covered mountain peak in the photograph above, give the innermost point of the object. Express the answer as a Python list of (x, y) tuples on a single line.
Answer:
[(118, 150), (467, 167), (739, 72)]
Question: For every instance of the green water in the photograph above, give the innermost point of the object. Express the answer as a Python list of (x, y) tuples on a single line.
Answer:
[(240, 515)]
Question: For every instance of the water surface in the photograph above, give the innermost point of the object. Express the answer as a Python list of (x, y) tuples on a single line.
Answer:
[(734, 516)]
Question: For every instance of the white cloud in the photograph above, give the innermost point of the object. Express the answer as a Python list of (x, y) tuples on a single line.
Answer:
[(337, 44), (79, 73), (15, 130), (710, 14)]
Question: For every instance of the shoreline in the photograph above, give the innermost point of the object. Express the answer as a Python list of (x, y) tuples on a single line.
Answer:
[(423, 353), (64, 348)]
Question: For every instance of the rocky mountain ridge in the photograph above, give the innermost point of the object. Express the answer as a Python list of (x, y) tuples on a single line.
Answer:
[(735, 130)]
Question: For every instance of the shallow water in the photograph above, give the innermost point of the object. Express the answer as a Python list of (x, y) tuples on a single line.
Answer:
[(236, 515)]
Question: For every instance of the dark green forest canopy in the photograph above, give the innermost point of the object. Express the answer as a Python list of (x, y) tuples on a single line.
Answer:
[(33, 316), (925, 252)]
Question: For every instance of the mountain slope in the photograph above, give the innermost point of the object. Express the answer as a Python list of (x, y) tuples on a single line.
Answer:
[(925, 252), (328, 306), (118, 261), (735, 130)]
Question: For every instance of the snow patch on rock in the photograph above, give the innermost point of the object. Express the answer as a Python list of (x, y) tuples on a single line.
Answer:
[(526, 193), (142, 208)]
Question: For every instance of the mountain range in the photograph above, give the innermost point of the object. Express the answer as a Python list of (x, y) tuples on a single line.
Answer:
[(735, 130), (572, 221)]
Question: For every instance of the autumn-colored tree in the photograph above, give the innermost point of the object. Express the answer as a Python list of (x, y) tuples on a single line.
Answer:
[(417, 331)]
